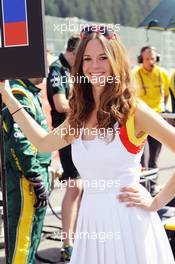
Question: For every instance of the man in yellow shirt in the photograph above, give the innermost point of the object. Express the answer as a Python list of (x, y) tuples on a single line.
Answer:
[(172, 91), (152, 84)]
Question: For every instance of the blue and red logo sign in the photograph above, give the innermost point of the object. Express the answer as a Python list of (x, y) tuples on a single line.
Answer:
[(15, 24)]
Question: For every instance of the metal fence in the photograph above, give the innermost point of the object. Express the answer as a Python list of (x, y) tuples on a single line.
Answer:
[(133, 38)]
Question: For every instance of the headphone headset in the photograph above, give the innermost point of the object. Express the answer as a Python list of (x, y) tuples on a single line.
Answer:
[(140, 57)]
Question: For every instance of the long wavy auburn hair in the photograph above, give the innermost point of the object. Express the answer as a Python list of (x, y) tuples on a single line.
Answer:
[(117, 100)]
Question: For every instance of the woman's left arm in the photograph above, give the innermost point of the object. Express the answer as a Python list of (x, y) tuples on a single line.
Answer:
[(133, 198), (146, 120)]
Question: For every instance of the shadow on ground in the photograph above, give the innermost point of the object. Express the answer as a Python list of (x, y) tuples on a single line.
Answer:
[(48, 256)]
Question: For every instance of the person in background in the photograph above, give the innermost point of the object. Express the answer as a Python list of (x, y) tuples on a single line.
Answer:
[(27, 176), (152, 86), (172, 91), (58, 92)]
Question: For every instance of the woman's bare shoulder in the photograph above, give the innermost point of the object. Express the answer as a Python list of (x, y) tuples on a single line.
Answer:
[(144, 113), (152, 123)]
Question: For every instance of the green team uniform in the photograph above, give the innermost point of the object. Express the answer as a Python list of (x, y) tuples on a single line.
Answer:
[(22, 162), (58, 83)]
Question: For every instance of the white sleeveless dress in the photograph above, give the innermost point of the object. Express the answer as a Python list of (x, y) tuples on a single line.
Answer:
[(107, 231)]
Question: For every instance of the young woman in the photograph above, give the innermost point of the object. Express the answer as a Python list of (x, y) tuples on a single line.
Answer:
[(107, 127)]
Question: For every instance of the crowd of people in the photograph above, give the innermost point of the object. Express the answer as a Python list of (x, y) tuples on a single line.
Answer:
[(117, 224)]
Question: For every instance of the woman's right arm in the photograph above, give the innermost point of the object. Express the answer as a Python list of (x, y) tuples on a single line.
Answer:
[(42, 140)]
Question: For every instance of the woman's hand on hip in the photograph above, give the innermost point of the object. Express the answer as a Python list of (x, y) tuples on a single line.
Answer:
[(134, 198)]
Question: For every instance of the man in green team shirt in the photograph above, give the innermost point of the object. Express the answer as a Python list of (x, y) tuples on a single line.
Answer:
[(58, 92), (27, 176)]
